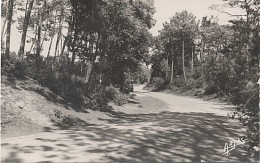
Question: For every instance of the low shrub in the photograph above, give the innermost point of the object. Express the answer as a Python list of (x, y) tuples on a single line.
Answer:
[(158, 81), (194, 83), (66, 120), (190, 83), (178, 82), (97, 100), (115, 95), (172, 87), (191, 86), (121, 99), (199, 82), (127, 88), (111, 92), (15, 68), (210, 89), (19, 70)]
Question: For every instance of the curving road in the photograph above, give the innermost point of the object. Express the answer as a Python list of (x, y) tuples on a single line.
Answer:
[(153, 127)]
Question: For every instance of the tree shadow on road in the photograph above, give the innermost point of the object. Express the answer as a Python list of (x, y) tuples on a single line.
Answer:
[(155, 137)]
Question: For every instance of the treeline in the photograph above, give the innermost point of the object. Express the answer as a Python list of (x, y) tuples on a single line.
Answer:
[(215, 59), (98, 44)]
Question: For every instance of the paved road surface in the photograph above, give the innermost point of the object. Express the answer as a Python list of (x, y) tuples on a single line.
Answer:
[(168, 128)]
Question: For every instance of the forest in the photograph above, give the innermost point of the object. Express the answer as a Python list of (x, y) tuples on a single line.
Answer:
[(91, 52)]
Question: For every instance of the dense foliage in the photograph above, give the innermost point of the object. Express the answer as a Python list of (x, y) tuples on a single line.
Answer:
[(98, 44)]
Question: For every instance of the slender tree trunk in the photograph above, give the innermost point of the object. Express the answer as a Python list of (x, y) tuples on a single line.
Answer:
[(43, 38), (63, 46), (202, 50), (38, 47), (60, 49), (167, 61), (192, 62), (49, 50), (90, 71), (247, 52), (200, 55), (172, 71), (61, 42), (4, 33), (75, 37), (35, 36), (9, 24), (58, 38), (255, 55), (25, 26), (73, 55), (31, 47), (3, 26), (183, 65), (66, 41)]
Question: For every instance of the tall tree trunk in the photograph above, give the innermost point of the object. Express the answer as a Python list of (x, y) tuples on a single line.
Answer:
[(63, 46), (247, 52), (172, 71), (192, 62), (73, 51), (90, 72), (44, 38), (183, 65), (75, 37), (49, 50), (255, 54), (166, 74), (58, 37), (61, 42), (25, 26), (4, 33), (66, 41), (38, 47), (35, 37), (9, 24), (3, 26), (31, 47), (167, 65), (60, 49)]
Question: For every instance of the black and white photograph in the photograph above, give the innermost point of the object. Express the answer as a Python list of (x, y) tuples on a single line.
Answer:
[(130, 81)]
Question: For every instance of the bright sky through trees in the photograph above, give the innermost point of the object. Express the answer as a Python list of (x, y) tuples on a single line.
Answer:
[(200, 8)]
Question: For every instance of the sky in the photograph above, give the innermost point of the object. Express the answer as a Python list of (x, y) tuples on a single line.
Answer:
[(200, 8), (164, 10)]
